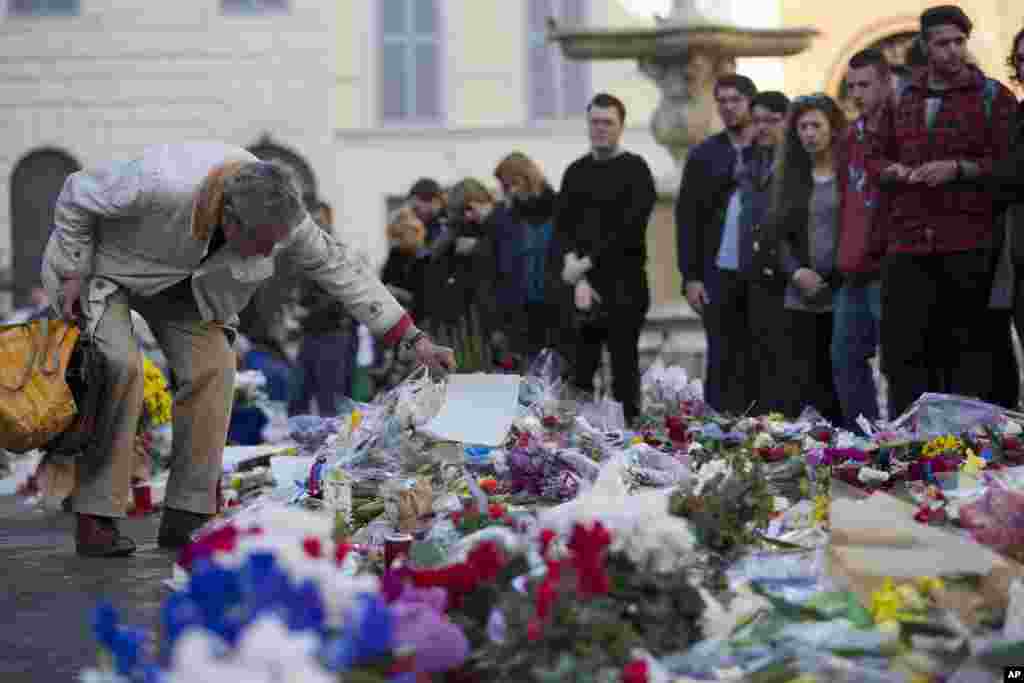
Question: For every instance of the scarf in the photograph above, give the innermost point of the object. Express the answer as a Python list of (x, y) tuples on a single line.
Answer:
[(208, 209)]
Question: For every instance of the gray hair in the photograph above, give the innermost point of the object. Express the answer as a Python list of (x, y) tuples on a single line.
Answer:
[(263, 193)]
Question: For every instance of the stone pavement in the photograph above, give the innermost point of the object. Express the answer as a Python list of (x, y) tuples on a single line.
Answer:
[(47, 593)]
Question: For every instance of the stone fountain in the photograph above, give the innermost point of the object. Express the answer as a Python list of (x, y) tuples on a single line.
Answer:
[(683, 54)]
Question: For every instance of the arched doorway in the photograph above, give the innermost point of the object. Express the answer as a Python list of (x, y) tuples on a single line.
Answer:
[(894, 47), (35, 184)]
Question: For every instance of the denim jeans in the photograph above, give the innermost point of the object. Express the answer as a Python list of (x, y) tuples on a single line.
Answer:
[(858, 313)]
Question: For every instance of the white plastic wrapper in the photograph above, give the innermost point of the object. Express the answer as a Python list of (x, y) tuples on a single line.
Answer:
[(640, 525), (667, 387)]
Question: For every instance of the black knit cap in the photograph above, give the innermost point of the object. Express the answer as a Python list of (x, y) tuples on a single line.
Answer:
[(425, 188), (942, 15)]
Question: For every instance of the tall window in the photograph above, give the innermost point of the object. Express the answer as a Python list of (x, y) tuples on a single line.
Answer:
[(254, 7), (558, 88), (42, 8), (410, 61)]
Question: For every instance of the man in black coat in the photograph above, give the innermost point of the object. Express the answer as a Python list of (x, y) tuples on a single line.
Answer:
[(707, 224), (601, 217)]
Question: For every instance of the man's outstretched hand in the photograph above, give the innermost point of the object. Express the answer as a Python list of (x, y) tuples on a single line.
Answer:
[(433, 356)]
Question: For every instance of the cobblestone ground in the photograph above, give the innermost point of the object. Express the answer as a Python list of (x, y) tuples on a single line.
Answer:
[(48, 593)]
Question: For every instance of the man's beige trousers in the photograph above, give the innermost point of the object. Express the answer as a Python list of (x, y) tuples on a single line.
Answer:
[(202, 365)]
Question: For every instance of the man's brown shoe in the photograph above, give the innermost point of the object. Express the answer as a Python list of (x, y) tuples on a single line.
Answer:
[(177, 527), (99, 537)]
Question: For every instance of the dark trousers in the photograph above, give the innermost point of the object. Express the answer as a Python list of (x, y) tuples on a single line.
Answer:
[(327, 362), (729, 378), (812, 382), (1005, 388), (857, 315), (770, 335), (935, 322), (622, 337)]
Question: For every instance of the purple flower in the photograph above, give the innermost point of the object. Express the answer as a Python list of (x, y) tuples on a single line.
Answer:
[(438, 644), (835, 456), (436, 597)]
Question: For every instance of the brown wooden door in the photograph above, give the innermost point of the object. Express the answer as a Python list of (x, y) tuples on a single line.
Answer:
[(35, 184)]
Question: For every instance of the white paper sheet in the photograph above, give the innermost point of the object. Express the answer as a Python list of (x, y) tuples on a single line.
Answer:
[(478, 409)]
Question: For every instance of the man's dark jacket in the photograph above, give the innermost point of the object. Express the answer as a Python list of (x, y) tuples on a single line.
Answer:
[(703, 199)]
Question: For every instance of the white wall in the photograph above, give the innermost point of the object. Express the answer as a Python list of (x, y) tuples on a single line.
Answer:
[(126, 74)]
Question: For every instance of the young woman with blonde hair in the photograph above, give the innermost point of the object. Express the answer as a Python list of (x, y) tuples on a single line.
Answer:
[(529, 284)]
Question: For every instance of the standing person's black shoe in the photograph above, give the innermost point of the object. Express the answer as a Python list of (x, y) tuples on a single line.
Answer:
[(99, 537), (177, 527)]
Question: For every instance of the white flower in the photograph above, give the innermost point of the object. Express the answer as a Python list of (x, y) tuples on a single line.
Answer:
[(640, 525)]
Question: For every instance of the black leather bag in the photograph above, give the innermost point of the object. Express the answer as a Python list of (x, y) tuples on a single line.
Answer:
[(87, 378)]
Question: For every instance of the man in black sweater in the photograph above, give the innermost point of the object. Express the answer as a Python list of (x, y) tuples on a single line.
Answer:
[(707, 224), (603, 207)]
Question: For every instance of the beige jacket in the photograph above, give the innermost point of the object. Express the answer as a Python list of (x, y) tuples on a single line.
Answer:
[(144, 225)]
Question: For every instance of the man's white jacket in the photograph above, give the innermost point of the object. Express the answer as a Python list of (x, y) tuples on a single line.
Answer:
[(132, 225)]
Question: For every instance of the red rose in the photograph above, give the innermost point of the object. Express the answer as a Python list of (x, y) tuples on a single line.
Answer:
[(496, 511), (546, 537), (533, 631), (550, 421), (341, 552), (313, 547), (635, 672)]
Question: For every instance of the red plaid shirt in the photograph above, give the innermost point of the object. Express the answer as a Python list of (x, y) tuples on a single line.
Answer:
[(955, 216)]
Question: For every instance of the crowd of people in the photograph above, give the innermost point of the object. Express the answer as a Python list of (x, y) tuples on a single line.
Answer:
[(810, 244), (798, 232), (498, 276)]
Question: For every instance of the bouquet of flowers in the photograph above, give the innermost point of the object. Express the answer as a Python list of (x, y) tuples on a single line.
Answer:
[(150, 441)]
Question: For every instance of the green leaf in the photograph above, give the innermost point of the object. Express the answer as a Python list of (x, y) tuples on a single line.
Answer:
[(427, 554)]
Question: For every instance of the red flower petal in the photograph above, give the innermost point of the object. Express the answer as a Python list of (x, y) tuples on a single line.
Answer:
[(635, 672), (341, 552), (313, 547)]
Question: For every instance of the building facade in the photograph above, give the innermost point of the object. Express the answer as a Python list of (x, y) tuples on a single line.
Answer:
[(86, 81), (361, 98)]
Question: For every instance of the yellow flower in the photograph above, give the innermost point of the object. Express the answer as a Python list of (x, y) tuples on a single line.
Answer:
[(886, 603), (821, 508), (155, 394), (929, 584), (636, 441), (973, 464), (357, 419), (940, 445)]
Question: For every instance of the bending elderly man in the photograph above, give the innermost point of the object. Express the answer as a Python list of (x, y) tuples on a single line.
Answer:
[(184, 235)]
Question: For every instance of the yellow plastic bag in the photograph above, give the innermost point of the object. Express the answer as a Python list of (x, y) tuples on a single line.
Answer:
[(36, 404)]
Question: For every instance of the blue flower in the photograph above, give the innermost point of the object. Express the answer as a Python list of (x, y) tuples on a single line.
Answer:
[(373, 629)]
